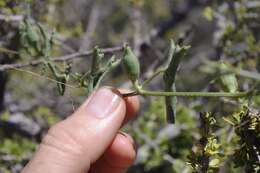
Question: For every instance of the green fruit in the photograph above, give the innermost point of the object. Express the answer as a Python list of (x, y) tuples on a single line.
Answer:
[(175, 54), (131, 63)]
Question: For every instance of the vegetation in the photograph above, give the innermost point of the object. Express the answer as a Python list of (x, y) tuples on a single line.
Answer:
[(195, 63)]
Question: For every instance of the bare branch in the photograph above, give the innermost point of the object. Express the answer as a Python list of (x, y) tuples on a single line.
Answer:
[(91, 27), (72, 56), (136, 16)]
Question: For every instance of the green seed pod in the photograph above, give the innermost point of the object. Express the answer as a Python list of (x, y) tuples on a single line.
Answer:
[(174, 55), (131, 64)]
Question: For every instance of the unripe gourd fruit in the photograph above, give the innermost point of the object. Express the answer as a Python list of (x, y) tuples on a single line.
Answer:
[(131, 64)]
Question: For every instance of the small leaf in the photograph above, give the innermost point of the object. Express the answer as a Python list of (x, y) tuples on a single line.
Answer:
[(98, 55), (98, 71), (111, 64), (61, 85), (89, 84), (61, 77), (228, 81), (32, 33), (229, 121), (34, 38)]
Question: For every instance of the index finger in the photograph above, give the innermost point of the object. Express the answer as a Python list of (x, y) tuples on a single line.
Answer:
[(132, 105)]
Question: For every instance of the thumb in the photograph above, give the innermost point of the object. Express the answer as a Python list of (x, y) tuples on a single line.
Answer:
[(72, 145)]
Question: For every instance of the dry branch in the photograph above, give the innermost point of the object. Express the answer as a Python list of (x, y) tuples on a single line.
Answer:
[(63, 58)]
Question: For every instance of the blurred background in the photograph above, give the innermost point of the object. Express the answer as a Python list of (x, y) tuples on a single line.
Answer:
[(217, 30)]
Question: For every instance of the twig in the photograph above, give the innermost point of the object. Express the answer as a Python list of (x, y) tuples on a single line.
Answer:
[(63, 45), (157, 73), (239, 72), (91, 27), (8, 51), (45, 77), (136, 17), (72, 56)]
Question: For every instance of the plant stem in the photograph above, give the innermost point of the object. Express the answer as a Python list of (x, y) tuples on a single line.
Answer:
[(140, 91), (193, 94), (239, 72), (157, 73), (247, 74)]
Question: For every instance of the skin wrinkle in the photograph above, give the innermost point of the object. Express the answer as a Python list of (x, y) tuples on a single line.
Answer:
[(66, 161), (81, 136), (60, 132), (54, 140), (82, 140), (58, 162)]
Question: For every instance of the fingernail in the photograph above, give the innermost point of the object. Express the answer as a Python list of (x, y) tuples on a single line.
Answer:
[(127, 136), (134, 144), (103, 102)]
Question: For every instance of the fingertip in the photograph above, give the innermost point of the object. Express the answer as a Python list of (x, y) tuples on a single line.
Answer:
[(132, 105), (121, 152)]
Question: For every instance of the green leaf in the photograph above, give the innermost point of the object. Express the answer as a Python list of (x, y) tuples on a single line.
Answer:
[(228, 81), (35, 39), (98, 55), (60, 76), (98, 71), (111, 64), (174, 55)]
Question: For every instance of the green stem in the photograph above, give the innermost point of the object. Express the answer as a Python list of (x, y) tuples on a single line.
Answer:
[(239, 72), (192, 94), (247, 74), (157, 73), (140, 91)]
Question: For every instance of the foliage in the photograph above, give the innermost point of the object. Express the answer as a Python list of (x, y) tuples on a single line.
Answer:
[(246, 125), (15, 150), (222, 62), (206, 155)]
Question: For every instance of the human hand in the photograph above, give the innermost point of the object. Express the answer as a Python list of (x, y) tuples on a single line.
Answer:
[(89, 140)]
